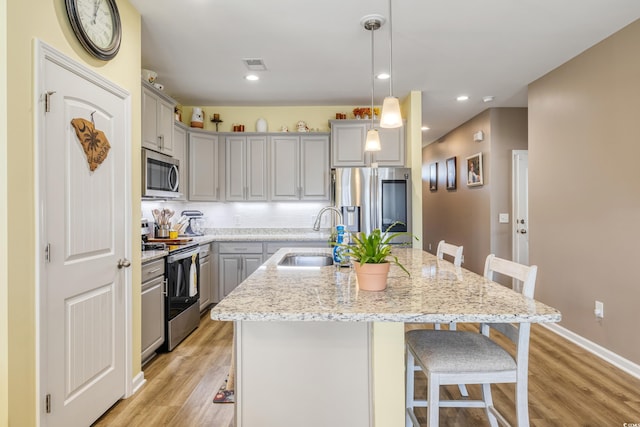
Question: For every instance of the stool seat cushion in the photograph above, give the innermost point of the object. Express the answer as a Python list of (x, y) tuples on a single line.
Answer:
[(458, 351)]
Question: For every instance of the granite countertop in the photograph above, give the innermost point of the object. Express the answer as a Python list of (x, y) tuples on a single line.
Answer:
[(248, 235), (436, 292)]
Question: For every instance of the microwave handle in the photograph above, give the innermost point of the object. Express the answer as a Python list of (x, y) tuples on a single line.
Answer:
[(173, 173)]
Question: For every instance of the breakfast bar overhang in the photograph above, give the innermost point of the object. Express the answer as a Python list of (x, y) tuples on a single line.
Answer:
[(312, 349)]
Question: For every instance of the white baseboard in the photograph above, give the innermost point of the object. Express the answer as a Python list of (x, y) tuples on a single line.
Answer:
[(138, 381), (603, 353)]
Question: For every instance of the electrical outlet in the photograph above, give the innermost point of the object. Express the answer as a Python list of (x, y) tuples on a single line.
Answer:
[(429, 246), (236, 219), (599, 310)]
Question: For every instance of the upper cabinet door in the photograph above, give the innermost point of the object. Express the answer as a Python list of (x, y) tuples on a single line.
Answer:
[(246, 168), (157, 121), (285, 164), (347, 143), (393, 147), (314, 167), (203, 167)]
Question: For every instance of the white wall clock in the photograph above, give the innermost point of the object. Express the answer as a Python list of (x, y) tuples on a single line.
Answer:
[(96, 24)]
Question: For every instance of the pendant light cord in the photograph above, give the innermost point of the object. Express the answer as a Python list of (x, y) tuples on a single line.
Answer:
[(390, 51), (372, 76)]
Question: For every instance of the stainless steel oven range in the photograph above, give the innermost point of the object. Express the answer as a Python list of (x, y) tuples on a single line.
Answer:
[(182, 308)]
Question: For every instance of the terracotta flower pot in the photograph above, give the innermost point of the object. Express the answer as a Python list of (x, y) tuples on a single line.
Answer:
[(372, 277)]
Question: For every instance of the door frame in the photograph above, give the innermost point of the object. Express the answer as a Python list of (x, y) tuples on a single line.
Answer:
[(43, 53)]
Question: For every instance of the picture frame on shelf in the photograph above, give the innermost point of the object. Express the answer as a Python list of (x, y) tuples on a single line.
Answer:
[(451, 173), (474, 170), (433, 177)]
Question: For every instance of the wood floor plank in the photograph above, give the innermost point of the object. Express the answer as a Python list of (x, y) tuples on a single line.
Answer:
[(568, 386)]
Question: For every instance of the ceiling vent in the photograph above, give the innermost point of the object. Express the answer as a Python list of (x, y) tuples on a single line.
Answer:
[(254, 64)]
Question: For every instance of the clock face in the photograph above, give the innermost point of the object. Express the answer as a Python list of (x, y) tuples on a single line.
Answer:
[(96, 24)]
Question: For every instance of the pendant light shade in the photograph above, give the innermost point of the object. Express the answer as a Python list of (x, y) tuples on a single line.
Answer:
[(372, 142), (390, 117), (372, 23)]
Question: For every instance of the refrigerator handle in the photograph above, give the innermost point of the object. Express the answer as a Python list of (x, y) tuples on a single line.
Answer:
[(332, 188), (373, 196)]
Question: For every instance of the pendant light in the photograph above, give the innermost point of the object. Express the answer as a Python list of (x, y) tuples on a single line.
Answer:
[(372, 23), (390, 116)]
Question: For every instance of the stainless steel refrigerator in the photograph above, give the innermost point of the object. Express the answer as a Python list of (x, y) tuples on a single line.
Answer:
[(372, 198)]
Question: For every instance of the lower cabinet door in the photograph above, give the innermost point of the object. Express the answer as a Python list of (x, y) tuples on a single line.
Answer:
[(152, 307), (230, 272), (205, 282), (250, 264)]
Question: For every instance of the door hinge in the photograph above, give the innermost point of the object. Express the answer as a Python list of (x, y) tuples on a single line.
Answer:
[(47, 252), (47, 404), (47, 100)]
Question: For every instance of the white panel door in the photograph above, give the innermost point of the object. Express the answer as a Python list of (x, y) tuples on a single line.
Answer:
[(84, 223), (521, 206)]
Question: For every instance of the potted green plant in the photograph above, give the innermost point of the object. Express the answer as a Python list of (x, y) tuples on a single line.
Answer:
[(372, 257)]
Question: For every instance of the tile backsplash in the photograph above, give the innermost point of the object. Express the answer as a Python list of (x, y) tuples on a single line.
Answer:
[(247, 215)]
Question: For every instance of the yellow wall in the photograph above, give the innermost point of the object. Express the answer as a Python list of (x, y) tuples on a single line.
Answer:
[(412, 109), (46, 20), (316, 117), (4, 339)]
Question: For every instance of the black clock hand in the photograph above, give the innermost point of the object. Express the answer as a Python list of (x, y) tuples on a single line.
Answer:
[(95, 11)]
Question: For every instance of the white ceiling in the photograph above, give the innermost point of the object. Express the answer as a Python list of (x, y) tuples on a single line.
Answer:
[(317, 52)]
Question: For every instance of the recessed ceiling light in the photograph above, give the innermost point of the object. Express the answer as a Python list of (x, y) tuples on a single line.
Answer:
[(462, 98), (487, 98), (252, 77), (425, 128), (382, 76)]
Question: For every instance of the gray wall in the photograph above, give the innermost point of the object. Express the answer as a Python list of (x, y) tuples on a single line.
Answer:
[(584, 190), (468, 216)]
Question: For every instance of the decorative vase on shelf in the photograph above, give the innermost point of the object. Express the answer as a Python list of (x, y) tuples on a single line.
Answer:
[(261, 125)]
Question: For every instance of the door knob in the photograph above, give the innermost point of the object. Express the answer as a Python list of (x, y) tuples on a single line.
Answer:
[(123, 263)]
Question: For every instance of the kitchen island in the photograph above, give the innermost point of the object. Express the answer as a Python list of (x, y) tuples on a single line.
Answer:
[(314, 350)]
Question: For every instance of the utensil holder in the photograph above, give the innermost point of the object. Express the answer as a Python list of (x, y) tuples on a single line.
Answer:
[(162, 231)]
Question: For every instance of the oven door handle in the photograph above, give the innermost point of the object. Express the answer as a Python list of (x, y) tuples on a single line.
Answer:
[(182, 255)]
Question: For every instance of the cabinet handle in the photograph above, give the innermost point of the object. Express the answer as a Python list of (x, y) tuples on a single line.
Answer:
[(161, 142), (164, 287), (154, 270)]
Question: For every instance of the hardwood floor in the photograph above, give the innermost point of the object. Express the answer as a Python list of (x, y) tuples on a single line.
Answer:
[(568, 387), (181, 384)]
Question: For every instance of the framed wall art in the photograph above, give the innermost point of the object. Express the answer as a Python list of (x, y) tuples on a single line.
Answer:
[(433, 177), (474, 170), (451, 173)]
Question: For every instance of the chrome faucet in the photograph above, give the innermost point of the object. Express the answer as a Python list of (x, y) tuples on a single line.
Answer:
[(316, 225)]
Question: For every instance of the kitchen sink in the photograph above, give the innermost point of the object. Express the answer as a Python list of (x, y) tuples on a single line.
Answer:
[(306, 260)]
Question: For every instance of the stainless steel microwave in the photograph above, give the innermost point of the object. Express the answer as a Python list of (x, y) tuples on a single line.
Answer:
[(160, 175)]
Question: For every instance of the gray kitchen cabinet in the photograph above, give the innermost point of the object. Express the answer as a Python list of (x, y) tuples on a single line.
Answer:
[(152, 308), (348, 140), (180, 153), (157, 120), (300, 167), (204, 181), (237, 260), (246, 168), (206, 277), (347, 143)]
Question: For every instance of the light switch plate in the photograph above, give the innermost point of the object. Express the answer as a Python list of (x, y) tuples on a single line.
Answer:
[(503, 218)]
